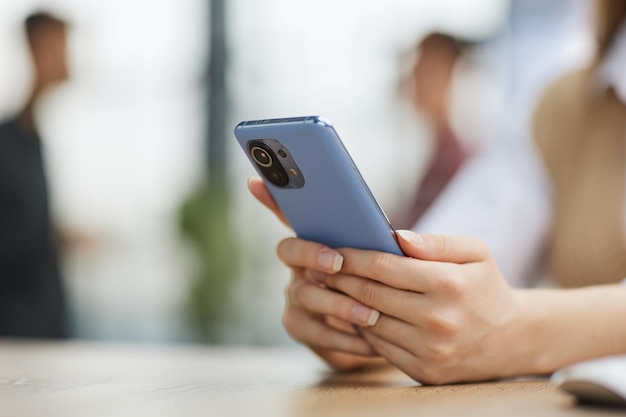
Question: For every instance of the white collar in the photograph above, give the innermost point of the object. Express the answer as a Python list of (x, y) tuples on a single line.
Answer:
[(612, 70)]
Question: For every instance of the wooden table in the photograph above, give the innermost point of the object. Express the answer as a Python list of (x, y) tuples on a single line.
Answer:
[(92, 379)]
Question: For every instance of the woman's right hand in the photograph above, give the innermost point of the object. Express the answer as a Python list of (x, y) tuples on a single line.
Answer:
[(321, 318)]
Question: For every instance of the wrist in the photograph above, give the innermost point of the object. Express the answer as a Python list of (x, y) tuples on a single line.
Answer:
[(527, 339), (533, 348), (555, 328)]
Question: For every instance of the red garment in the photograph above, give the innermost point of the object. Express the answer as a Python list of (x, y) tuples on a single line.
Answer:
[(448, 157)]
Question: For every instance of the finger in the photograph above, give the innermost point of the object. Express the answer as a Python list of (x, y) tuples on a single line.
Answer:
[(402, 334), (404, 305), (442, 248), (341, 325), (401, 358), (304, 254), (259, 190), (312, 275), (399, 272), (341, 361), (320, 301), (315, 333), (415, 310)]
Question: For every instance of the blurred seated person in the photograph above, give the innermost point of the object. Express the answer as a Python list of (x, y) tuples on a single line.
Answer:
[(31, 292), (428, 86), (458, 308)]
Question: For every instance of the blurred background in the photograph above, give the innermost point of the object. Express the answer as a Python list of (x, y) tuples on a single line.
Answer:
[(143, 168)]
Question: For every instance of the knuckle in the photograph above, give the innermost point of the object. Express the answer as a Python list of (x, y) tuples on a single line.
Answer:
[(297, 252), (444, 323), (380, 263), (368, 294), (290, 291), (442, 354), (289, 322), (321, 338), (283, 249), (299, 294), (453, 285)]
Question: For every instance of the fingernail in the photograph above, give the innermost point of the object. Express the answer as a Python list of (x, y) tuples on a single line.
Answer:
[(330, 260), (412, 237), (365, 314)]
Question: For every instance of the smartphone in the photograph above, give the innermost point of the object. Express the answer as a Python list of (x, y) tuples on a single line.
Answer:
[(315, 182)]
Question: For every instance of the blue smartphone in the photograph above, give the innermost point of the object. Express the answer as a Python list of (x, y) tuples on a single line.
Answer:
[(316, 184)]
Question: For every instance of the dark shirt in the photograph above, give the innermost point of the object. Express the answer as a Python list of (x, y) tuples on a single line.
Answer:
[(31, 293)]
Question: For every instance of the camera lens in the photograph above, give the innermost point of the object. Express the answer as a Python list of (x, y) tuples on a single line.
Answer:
[(277, 177), (261, 156)]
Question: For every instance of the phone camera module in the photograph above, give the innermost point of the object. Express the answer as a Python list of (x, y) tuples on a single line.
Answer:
[(261, 156), (269, 164)]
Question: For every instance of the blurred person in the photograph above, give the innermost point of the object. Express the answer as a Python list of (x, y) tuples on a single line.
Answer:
[(32, 300), (454, 309), (428, 86)]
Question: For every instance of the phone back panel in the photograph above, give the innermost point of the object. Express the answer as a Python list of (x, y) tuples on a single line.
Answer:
[(334, 207)]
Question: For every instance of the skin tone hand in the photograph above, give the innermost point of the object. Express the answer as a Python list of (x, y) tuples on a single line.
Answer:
[(444, 316), (309, 301), (425, 329), (441, 321)]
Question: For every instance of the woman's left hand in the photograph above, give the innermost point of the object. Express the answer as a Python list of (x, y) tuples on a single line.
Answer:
[(447, 314)]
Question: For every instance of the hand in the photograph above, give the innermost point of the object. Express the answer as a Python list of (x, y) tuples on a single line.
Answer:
[(445, 317), (324, 320), (447, 312), (319, 317)]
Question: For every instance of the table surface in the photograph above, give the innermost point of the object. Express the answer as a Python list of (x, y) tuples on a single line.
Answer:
[(95, 379)]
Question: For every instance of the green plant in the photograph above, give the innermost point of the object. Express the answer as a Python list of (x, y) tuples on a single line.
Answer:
[(206, 223)]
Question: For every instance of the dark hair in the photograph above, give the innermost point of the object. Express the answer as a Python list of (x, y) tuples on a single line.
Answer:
[(442, 40), (41, 20), (609, 16)]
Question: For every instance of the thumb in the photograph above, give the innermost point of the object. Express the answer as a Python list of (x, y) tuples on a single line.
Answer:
[(442, 248)]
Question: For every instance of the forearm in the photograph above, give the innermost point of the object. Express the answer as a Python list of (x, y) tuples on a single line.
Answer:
[(561, 327)]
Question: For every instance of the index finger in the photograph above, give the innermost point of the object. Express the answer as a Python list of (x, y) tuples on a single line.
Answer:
[(396, 271)]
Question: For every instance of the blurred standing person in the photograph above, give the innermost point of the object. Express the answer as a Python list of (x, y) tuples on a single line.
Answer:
[(31, 291), (428, 87)]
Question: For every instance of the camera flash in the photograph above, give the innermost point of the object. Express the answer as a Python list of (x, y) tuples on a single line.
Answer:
[(293, 172)]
